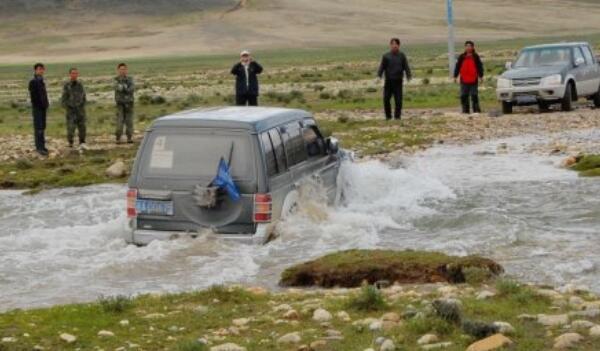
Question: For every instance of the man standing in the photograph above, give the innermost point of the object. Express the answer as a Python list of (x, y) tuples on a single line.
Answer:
[(39, 105), (470, 69), (246, 80), (73, 100), (124, 97), (394, 65)]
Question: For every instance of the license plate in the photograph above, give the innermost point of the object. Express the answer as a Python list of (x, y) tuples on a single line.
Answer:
[(526, 99), (153, 207)]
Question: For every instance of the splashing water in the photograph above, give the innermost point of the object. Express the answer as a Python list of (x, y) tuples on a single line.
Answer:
[(541, 222)]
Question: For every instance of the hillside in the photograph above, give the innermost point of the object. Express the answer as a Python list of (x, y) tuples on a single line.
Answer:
[(61, 30)]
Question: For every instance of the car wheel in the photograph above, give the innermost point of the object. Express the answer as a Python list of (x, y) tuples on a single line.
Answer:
[(507, 107), (544, 106), (567, 100), (596, 99)]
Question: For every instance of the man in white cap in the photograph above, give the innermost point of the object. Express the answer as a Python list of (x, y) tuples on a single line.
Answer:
[(246, 80)]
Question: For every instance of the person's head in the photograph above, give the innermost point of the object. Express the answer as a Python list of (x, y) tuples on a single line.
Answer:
[(395, 44), (245, 57), (122, 69), (39, 69), (73, 74), (469, 47)]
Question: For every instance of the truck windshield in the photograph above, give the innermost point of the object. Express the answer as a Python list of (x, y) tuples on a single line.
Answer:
[(196, 155), (544, 57)]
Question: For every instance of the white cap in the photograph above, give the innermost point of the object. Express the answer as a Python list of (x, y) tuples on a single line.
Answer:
[(245, 53)]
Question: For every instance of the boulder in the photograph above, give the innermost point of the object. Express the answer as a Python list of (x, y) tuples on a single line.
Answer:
[(321, 315), (595, 331), (391, 317), (437, 346), (504, 328), (567, 341), (582, 324), (343, 316), (388, 345), (553, 320), (105, 333), (117, 170), (228, 347), (427, 339), (68, 338), (490, 343), (291, 314), (485, 294), (240, 322), (290, 338)]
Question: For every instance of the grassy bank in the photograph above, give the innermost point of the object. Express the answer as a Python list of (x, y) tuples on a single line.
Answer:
[(588, 166), (339, 319)]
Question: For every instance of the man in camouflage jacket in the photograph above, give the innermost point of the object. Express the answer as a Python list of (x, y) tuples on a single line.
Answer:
[(124, 98), (74, 100)]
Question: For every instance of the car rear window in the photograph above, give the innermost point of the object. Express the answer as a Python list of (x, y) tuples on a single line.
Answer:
[(196, 155)]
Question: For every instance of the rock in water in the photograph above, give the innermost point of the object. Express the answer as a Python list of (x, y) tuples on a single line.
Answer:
[(117, 170), (493, 342)]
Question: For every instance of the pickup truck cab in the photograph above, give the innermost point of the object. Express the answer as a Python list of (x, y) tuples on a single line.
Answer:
[(270, 152), (550, 74)]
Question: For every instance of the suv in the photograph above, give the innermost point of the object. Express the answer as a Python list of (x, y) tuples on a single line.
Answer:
[(549, 74), (270, 152)]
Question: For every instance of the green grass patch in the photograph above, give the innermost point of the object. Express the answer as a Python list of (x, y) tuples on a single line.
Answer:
[(369, 299), (353, 267), (588, 166)]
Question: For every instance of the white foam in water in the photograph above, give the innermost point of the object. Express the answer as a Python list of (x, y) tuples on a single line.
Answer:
[(539, 221)]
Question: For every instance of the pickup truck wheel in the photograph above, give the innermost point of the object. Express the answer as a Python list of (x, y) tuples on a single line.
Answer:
[(507, 107), (596, 99), (567, 100), (544, 106)]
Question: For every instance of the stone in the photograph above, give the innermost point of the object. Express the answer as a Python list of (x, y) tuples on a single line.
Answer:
[(68, 338), (479, 329), (485, 294), (291, 314), (437, 346), (379, 340), (290, 338), (591, 313), (448, 309), (391, 316), (568, 162), (553, 320), (240, 322), (117, 170), (388, 345), (549, 293), (106, 333), (576, 301), (201, 309), (9, 339), (321, 315), (343, 316), (582, 324), (124, 323), (318, 345), (493, 342), (282, 308), (257, 290), (527, 317), (228, 347), (504, 328), (567, 340), (427, 339), (389, 325), (595, 331), (154, 315), (376, 325)]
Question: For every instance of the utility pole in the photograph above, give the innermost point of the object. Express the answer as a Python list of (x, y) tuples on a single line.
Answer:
[(451, 57)]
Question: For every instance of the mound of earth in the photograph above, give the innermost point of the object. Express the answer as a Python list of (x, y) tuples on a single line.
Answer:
[(352, 268)]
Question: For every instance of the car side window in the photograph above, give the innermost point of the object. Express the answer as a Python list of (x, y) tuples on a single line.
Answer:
[(589, 58), (578, 54), (278, 149), (315, 146), (294, 144), (269, 154)]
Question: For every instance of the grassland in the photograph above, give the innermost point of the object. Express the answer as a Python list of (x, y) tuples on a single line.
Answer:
[(255, 319), (337, 84)]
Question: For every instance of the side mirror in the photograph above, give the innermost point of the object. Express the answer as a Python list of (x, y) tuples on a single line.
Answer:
[(579, 61), (333, 145), (508, 65)]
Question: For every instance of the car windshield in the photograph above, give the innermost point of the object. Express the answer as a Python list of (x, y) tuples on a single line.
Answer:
[(544, 57), (196, 155)]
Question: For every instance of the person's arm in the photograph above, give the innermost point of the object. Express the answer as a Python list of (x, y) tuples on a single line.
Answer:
[(382, 67), (258, 67), (84, 95), (65, 96), (117, 85), (457, 66), (480, 67), (32, 93), (234, 69), (130, 86), (407, 68)]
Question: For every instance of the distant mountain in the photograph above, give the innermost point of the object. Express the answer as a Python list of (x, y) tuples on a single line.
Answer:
[(8, 7)]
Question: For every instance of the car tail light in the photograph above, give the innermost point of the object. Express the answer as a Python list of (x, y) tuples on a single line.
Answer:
[(263, 208), (131, 200)]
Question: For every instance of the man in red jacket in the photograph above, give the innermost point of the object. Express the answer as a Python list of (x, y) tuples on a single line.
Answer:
[(470, 69)]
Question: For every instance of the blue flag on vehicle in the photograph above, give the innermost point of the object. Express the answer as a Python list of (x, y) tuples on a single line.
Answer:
[(224, 180)]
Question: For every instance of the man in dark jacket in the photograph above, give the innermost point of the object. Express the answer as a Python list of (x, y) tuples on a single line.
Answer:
[(394, 65), (470, 69), (39, 106), (74, 100), (246, 80), (124, 98)]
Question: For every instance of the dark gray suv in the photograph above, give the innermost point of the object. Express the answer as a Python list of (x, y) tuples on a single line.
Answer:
[(270, 152), (550, 74)]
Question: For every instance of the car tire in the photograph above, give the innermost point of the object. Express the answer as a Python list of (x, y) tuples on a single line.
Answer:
[(507, 107), (544, 106), (596, 99), (566, 103)]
